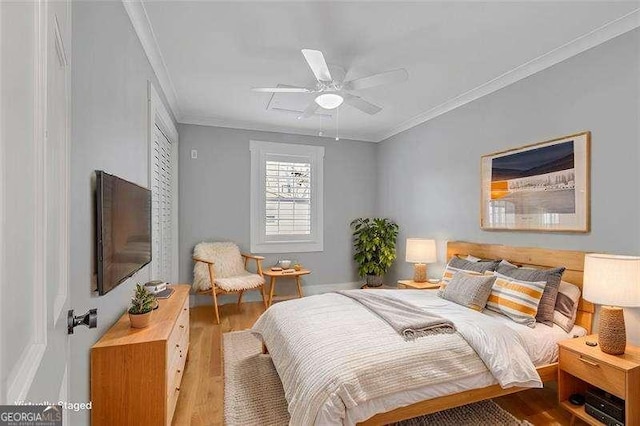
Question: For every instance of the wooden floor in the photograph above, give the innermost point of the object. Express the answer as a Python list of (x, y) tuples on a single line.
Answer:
[(201, 393)]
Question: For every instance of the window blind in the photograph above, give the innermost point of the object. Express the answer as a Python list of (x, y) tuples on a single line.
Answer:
[(161, 183), (288, 198)]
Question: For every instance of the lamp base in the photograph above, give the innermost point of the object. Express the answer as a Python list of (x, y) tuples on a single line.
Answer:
[(612, 336), (420, 272)]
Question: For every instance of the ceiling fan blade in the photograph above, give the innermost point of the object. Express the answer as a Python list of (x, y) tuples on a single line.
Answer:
[(281, 89), (388, 77), (359, 103), (310, 110), (318, 65)]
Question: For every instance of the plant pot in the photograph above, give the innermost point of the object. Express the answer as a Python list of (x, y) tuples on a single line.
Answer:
[(374, 280), (140, 320)]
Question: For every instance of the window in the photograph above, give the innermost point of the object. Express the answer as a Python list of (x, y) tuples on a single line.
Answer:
[(161, 206), (286, 197)]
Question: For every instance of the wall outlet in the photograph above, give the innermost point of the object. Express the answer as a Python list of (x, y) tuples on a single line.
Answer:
[(194, 154)]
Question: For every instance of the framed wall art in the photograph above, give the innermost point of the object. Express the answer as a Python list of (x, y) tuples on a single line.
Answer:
[(539, 187)]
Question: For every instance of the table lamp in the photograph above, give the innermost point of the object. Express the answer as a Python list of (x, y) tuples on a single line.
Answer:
[(614, 282), (420, 251)]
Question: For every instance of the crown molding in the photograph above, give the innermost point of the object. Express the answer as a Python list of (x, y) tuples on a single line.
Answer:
[(593, 38), (142, 26), (247, 125), (140, 20)]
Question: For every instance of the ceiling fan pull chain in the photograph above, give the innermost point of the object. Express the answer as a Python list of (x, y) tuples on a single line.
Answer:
[(337, 123)]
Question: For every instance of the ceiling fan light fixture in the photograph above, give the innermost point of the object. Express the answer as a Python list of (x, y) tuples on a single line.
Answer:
[(329, 100)]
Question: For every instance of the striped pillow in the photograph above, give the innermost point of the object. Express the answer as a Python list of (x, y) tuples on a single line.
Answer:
[(551, 276), (516, 299)]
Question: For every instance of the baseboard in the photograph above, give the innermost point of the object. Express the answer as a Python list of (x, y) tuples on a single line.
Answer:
[(254, 296)]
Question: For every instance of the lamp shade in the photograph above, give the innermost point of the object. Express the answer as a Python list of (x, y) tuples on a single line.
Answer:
[(612, 279), (420, 250)]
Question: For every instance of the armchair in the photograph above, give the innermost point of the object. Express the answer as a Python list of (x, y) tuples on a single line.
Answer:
[(220, 268)]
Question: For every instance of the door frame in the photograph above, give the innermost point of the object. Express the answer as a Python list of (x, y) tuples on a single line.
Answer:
[(21, 376), (3, 180)]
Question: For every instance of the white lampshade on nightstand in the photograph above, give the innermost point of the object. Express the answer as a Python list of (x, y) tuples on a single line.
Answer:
[(612, 281), (420, 251)]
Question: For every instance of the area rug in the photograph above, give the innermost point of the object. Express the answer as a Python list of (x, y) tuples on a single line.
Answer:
[(253, 393)]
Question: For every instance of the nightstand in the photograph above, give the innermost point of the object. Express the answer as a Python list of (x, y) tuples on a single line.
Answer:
[(411, 284), (581, 366), (288, 273)]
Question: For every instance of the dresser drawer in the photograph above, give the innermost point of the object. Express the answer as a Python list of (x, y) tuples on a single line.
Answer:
[(174, 379), (177, 347), (184, 313), (593, 372), (178, 353), (180, 329), (172, 400), (175, 375), (173, 346)]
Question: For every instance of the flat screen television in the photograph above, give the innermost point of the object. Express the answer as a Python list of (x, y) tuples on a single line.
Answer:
[(123, 230)]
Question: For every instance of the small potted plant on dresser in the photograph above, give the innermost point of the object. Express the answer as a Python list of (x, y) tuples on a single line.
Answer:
[(142, 304), (374, 241)]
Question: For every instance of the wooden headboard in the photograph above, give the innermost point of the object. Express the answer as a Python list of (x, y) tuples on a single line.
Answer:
[(534, 257)]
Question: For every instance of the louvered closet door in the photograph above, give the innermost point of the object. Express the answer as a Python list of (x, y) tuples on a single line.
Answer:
[(162, 205)]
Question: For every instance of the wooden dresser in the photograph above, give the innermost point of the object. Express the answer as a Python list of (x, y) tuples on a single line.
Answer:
[(136, 373)]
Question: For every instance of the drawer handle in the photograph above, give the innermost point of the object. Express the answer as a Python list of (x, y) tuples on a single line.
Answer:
[(184, 309), (178, 371), (182, 326), (178, 389), (177, 346), (591, 363)]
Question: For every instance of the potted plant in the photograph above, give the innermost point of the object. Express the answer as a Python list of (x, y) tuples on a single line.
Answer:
[(142, 304), (374, 240)]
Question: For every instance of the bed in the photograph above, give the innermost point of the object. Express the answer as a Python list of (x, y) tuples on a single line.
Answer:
[(350, 404)]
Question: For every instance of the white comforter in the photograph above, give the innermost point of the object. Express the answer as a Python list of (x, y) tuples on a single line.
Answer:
[(330, 351)]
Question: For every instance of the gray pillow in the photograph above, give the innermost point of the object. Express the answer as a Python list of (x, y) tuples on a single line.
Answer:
[(551, 276), (467, 265), (471, 291)]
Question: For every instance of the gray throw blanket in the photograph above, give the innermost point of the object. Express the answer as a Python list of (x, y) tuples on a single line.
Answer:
[(406, 319)]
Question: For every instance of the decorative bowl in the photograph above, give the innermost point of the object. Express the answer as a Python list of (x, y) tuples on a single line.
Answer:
[(285, 264)]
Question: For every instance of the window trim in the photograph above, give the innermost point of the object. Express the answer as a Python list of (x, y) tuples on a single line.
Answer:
[(259, 242)]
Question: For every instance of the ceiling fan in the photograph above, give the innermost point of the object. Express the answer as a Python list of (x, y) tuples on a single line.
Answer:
[(332, 93)]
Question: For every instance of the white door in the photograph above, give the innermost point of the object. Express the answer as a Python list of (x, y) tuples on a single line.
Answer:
[(34, 199)]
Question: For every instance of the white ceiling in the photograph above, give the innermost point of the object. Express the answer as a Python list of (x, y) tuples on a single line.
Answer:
[(214, 52)]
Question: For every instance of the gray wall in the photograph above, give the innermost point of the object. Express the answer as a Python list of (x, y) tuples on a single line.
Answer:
[(214, 196), (429, 175), (109, 132)]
